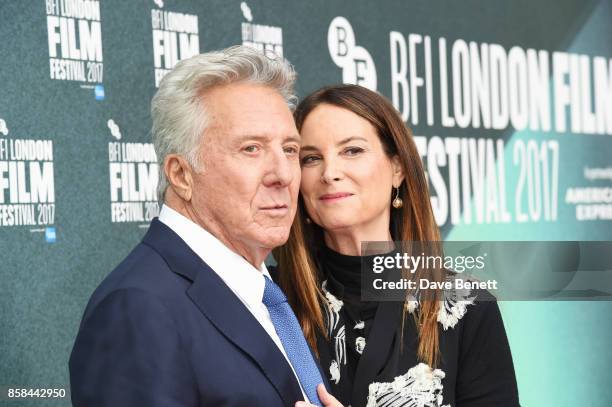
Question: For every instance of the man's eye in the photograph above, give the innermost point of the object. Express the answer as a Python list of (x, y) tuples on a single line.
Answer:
[(253, 148), (292, 150)]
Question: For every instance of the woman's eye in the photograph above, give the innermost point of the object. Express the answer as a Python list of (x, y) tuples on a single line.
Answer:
[(309, 159), (353, 150)]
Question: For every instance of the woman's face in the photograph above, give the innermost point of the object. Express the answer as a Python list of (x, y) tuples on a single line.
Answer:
[(347, 179)]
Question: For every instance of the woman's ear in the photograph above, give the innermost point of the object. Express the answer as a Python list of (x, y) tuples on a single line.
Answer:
[(179, 175), (398, 171)]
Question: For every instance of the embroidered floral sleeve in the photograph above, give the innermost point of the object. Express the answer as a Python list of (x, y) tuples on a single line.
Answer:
[(453, 305), (421, 386), (335, 331)]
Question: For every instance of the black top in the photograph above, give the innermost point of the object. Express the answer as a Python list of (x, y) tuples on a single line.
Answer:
[(370, 363)]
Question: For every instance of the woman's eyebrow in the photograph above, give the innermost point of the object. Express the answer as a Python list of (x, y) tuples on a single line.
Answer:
[(341, 142), (351, 138)]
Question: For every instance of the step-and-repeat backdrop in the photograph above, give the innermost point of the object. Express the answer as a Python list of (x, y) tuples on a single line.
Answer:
[(510, 103)]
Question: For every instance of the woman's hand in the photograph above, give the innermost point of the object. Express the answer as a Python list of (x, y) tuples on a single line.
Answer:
[(327, 399)]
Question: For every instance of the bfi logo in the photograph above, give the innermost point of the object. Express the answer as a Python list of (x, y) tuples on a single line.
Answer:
[(356, 62)]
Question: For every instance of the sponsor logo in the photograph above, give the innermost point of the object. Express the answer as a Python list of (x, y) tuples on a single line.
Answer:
[(99, 92), (50, 235)]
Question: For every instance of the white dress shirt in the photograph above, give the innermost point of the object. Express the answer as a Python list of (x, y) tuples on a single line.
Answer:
[(246, 281)]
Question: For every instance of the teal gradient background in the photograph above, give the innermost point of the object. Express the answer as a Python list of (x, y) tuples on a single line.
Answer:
[(561, 350)]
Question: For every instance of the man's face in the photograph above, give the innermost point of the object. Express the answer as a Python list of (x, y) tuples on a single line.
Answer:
[(247, 187)]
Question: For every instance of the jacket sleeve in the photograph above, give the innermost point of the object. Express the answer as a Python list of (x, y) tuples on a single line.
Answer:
[(486, 372), (128, 353)]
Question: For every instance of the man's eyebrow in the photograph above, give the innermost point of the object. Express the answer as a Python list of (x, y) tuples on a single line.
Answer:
[(341, 142), (294, 138), (258, 137), (265, 138)]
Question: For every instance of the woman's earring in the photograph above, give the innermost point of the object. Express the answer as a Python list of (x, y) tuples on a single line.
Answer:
[(308, 221), (397, 201)]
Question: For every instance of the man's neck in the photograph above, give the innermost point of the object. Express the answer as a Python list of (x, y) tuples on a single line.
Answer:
[(253, 255)]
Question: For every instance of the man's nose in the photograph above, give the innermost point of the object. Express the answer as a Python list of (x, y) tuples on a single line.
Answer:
[(281, 169)]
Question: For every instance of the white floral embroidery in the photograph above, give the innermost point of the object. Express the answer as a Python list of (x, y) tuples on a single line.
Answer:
[(341, 346), (334, 372), (419, 387), (334, 305), (359, 325), (411, 303), (453, 305), (360, 344)]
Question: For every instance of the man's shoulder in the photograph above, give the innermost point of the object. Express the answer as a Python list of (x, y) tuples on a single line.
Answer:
[(143, 270), (143, 267)]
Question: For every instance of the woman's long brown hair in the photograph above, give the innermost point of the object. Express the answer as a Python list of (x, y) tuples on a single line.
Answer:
[(414, 222)]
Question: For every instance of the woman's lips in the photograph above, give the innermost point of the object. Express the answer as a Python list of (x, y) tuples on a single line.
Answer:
[(337, 196)]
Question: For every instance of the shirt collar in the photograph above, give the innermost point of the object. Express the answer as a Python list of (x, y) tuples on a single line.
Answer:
[(246, 281)]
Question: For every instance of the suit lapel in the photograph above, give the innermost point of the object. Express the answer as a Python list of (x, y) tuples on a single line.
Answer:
[(376, 352), (224, 310)]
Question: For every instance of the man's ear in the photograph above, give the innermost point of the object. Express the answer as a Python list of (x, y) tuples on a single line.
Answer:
[(398, 171), (179, 175)]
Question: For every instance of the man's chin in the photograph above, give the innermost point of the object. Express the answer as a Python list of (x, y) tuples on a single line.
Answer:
[(275, 239)]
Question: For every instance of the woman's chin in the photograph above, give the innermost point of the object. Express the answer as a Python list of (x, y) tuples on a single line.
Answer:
[(338, 225)]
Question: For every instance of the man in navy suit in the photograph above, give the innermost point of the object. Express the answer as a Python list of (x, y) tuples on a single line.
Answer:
[(184, 320)]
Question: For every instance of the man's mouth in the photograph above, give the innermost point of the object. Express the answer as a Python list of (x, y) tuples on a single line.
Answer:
[(275, 210)]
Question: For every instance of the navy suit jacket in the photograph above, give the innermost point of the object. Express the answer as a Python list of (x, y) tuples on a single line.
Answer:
[(163, 329)]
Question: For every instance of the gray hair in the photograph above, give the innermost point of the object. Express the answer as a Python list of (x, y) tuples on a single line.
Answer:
[(178, 110)]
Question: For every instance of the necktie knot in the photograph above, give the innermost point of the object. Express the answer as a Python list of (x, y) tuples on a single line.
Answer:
[(273, 295)]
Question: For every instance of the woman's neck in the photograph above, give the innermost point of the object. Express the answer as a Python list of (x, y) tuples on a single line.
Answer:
[(348, 241)]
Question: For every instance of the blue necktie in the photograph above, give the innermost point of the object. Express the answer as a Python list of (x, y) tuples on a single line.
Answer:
[(288, 329)]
